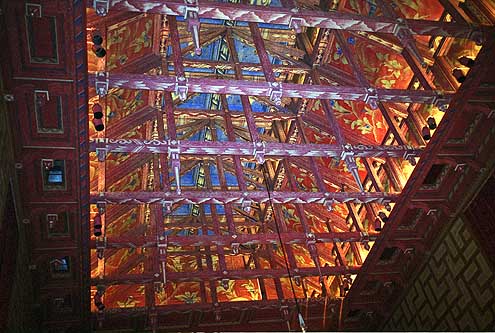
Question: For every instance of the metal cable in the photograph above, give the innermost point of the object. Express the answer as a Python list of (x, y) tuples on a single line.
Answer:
[(286, 260)]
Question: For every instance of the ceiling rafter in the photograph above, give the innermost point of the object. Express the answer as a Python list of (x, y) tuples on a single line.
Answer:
[(222, 197), (244, 148), (311, 18), (256, 88), (291, 237)]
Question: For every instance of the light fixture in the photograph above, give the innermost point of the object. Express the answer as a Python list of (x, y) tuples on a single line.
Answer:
[(99, 51), (97, 39), (97, 111), (459, 75), (98, 123), (465, 61), (98, 117), (378, 224), (432, 124), (97, 225), (383, 216), (425, 133)]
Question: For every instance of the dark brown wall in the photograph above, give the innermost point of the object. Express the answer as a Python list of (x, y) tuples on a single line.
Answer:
[(481, 217), (43, 70)]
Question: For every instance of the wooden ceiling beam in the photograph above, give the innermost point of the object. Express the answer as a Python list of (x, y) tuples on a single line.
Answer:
[(308, 18)]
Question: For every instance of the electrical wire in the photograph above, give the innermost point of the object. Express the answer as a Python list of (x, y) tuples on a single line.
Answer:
[(286, 260)]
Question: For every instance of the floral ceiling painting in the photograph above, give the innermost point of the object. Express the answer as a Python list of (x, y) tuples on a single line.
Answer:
[(135, 38)]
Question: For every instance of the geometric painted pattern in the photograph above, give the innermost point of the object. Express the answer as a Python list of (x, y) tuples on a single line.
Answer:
[(454, 291)]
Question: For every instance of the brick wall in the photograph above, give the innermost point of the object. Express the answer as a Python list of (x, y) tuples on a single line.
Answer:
[(454, 290)]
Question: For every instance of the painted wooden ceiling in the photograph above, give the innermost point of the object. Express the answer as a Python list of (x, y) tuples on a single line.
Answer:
[(380, 62)]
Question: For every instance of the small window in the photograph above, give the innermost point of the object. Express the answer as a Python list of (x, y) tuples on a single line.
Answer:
[(354, 313), (62, 304), (388, 254), (49, 116), (370, 288), (60, 267), (57, 225), (432, 178), (53, 175)]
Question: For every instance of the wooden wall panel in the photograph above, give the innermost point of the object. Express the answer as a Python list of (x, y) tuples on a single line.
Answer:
[(45, 114), (49, 309), (31, 176), (46, 236), (42, 57), (44, 276), (39, 45)]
